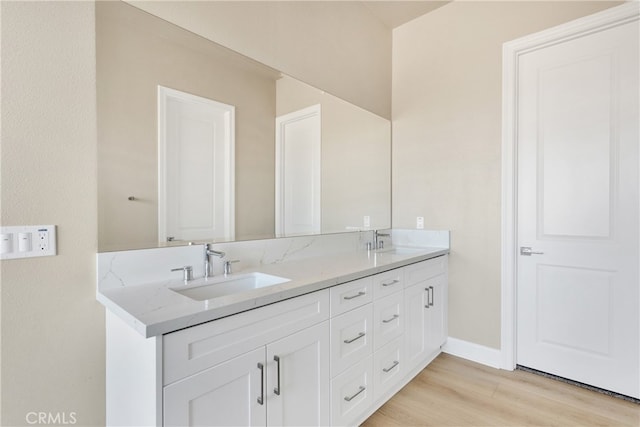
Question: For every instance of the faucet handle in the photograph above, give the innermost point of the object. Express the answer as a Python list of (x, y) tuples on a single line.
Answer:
[(187, 272), (227, 266)]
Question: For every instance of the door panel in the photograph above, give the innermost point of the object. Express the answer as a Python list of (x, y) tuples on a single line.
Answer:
[(577, 194), (195, 167), (578, 209), (298, 161)]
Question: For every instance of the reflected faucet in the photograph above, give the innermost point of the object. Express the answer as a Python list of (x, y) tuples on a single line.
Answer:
[(378, 243), (208, 265)]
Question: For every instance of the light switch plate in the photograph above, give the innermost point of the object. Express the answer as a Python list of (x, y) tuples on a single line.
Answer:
[(28, 241)]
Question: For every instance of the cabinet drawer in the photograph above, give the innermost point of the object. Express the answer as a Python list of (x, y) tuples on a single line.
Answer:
[(387, 283), (388, 319), (351, 338), (416, 273), (388, 368), (352, 394), (351, 295), (197, 348)]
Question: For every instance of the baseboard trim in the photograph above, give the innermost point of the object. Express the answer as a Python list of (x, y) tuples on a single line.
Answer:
[(475, 352)]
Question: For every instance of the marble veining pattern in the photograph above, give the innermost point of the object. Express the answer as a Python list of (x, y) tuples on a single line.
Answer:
[(136, 285)]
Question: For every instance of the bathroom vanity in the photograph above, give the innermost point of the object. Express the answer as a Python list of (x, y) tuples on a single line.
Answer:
[(328, 346)]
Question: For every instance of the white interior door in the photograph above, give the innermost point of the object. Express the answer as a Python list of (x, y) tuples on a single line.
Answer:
[(578, 206), (195, 167), (298, 160)]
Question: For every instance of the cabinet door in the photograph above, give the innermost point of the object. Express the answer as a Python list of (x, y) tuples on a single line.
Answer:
[(298, 378), (437, 317), (415, 327), (224, 395)]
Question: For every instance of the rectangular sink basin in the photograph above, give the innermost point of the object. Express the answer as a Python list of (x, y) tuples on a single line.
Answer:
[(229, 285)]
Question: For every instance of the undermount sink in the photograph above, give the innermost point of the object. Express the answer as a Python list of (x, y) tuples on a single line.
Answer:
[(400, 251), (224, 286)]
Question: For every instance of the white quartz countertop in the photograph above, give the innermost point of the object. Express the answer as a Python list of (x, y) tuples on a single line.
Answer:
[(154, 309)]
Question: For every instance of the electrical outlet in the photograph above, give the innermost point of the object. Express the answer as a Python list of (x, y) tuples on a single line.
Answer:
[(43, 240), (420, 223), (367, 221)]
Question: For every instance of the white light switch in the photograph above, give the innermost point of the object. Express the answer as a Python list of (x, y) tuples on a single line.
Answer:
[(420, 223), (27, 241), (24, 242), (367, 221), (6, 243)]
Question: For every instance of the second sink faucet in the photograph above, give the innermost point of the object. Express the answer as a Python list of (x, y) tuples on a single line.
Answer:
[(208, 265), (379, 243)]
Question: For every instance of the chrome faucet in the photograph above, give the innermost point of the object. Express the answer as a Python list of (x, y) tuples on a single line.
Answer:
[(377, 242), (208, 265)]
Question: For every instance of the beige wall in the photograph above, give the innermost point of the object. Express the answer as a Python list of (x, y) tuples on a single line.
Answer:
[(355, 166), (337, 46), (136, 52), (52, 326), (447, 140)]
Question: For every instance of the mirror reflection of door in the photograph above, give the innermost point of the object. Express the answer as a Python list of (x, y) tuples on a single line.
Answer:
[(195, 167), (298, 160)]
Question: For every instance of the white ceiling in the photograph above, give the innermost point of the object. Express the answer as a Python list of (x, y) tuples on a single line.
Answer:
[(395, 13)]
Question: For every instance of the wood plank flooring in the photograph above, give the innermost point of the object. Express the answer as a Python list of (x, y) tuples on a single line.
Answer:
[(456, 392)]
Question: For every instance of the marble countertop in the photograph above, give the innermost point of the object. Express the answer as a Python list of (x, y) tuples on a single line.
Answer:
[(154, 309)]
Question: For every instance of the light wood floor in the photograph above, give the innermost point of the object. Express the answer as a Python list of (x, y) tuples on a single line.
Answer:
[(455, 392)]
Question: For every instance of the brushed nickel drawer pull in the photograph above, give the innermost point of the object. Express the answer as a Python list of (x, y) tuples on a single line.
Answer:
[(261, 397), (393, 282), (276, 390), (359, 294), (395, 316), (360, 335), (431, 296), (350, 398), (395, 363)]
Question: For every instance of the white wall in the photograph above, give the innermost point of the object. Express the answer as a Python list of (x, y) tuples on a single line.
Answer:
[(447, 138), (52, 326)]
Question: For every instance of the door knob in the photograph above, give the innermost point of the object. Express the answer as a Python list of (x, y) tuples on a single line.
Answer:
[(526, 251)]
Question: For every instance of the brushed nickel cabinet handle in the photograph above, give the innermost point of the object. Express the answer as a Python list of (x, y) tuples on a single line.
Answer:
[(350, 398), (359, 294), (395, 316), (276, 390), (261, 397), (393, 282), (395, 363), (360, 335), (431, 296)]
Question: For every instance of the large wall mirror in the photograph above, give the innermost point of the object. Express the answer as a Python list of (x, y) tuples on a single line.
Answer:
[(193, 137)]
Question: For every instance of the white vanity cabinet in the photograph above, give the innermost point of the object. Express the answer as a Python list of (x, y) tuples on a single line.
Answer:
[(330, 357)]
